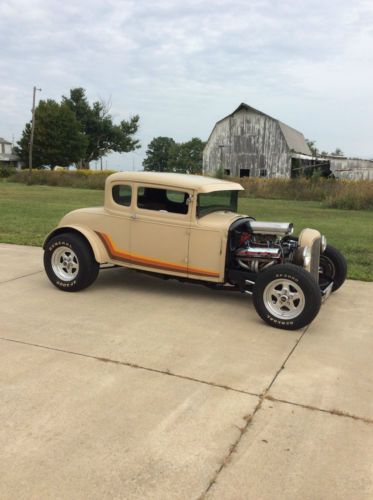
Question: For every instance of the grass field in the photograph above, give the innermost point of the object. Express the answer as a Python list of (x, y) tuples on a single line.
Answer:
[(28, 213)]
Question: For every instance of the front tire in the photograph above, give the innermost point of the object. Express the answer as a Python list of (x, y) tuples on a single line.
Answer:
[(286, 296), (69, 262), (333, 267)]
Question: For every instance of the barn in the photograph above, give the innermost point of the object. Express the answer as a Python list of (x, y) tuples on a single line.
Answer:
[(249, 142)]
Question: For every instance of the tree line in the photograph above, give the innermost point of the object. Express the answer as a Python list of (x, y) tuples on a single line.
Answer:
[(164, 154), (74, 131), (316, 152)]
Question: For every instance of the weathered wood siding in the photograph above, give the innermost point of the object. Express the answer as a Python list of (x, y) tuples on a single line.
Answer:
[(249, 140), (351, 168)]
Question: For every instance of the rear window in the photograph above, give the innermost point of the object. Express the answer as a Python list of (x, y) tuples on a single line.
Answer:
[(122, 194)]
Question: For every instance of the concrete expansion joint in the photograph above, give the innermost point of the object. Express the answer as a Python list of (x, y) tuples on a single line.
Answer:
[(176, 375), (20, 277), (249, 418), (335, 412), (132, 365), (283, 365), (233, 447)]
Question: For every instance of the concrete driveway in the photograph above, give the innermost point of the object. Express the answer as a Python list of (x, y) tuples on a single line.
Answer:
[(142, 388)]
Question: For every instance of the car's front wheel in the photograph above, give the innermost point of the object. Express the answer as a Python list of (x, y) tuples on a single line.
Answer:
[(332, 267), (69, 262), (286, 296)]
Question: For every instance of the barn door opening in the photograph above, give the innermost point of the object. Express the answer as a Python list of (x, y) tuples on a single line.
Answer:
[(244, 172)]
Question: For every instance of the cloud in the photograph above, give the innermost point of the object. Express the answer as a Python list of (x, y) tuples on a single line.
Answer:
[(184, 65)]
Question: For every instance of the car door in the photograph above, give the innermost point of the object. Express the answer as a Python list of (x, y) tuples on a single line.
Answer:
[(160, 228)]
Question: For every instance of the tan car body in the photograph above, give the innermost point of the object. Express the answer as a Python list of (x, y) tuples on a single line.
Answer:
[(155, 240), (162, 223)]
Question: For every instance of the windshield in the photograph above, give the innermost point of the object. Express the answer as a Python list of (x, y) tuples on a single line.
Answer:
[(216, 201)]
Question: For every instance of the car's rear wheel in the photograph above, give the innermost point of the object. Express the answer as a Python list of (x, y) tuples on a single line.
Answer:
[(286, 296), (69, 262)]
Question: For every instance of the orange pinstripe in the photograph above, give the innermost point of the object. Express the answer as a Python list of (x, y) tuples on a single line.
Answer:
[(118, 254)]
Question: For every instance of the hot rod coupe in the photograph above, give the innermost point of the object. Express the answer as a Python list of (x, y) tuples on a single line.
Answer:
[(187, 227)]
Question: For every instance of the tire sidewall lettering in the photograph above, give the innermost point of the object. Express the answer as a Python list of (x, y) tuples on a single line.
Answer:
[(287, 276), (57, 244), (279, 321), (66, 284)]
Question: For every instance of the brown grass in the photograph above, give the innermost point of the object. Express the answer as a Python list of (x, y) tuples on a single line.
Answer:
[(344, 194), (356, 195), (85, 179)]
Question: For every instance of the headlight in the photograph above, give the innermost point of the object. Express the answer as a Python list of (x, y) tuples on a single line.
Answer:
[(323, 243), (306, 256)]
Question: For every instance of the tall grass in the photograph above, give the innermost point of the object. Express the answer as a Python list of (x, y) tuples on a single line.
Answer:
[(85, 179), (333, 193)]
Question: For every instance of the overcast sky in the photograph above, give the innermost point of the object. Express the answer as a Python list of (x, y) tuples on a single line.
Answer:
[(183, 65)]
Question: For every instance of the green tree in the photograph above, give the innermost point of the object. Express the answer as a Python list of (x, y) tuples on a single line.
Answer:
[(187, 156), (312, 146), (58, 139), (103, 136), (338, 152), (158, 154)]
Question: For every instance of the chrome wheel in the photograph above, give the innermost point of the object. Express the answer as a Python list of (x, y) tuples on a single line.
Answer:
[(65, 263), (284, 299)]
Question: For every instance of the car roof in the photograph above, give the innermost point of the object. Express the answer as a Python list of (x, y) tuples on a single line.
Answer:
[(187, 181)]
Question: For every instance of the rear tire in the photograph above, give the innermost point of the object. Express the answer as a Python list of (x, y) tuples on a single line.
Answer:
[(69, 262), (286, 296)]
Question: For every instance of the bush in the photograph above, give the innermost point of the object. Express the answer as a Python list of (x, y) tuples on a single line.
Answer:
[(333, 193), (352, 195), (219, 174), (6, 171), (86, 179)]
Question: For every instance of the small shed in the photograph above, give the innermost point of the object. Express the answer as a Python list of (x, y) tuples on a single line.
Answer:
[(355, 169)]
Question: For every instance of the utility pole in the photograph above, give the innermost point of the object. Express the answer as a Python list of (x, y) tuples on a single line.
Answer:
[(32, 132)]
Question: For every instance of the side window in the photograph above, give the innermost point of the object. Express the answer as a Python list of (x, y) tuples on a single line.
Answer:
[(122, 194), (162, 199)]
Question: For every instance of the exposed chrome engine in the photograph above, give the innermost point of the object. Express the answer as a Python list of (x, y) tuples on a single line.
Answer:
[(256, 255), (260, 245), (271, 228), (256, 258)]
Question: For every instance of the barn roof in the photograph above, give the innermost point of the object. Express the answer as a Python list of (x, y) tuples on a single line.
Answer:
[(294, 139), (4, 141)]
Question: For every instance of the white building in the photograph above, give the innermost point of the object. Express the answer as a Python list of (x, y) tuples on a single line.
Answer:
[(7, 155)]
